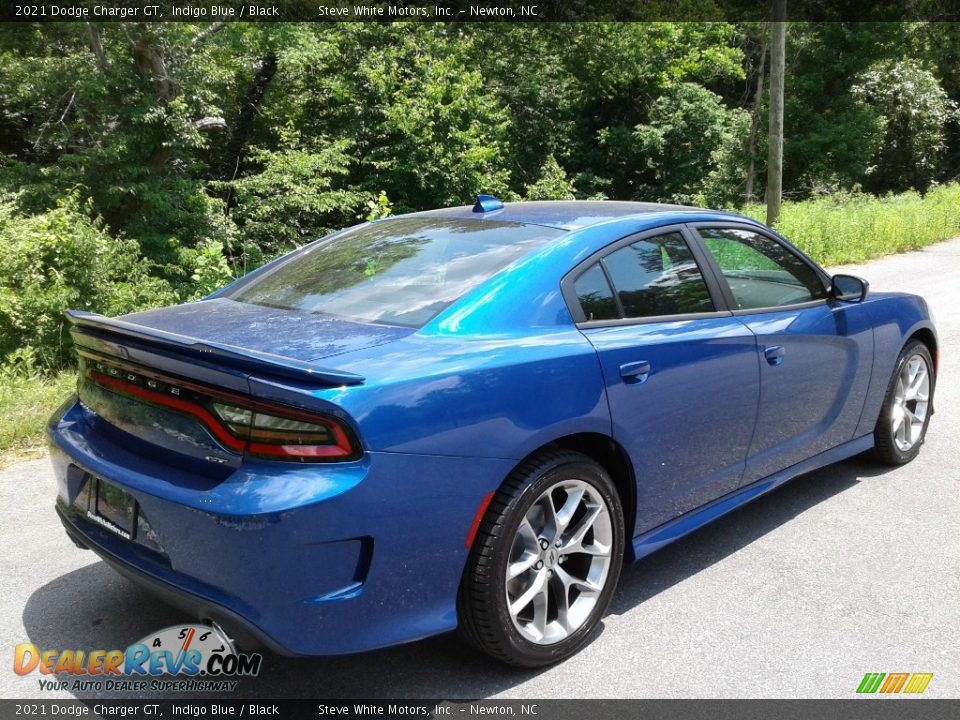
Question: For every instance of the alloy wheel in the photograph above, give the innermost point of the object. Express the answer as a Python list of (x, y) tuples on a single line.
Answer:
[(559, 562), (911, 401)]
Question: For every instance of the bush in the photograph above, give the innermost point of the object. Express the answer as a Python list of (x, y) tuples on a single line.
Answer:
[(211, 271), (691, 146), (63, 259), (850, 228), (552, 184)]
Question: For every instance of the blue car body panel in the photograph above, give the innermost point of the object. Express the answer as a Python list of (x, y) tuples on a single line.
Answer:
[(347, 556), (691, 457), (828, 360)]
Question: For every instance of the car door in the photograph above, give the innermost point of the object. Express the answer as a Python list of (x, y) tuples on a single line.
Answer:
[(682, 377), (815, 352)]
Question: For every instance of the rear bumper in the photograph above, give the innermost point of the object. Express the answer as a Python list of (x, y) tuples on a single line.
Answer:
[(304, 559), (236, 626)]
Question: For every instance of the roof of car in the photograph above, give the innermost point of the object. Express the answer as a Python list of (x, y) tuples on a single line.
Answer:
[(563, 214)]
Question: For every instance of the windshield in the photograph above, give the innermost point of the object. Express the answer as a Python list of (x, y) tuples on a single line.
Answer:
[(401, 272)]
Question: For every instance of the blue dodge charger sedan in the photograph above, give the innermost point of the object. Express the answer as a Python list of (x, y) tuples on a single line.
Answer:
[(469, 418)]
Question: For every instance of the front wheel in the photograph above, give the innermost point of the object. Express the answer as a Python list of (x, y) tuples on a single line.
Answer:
[(545, 562), (907, 406)]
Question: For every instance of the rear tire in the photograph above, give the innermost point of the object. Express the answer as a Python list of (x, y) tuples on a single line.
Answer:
[(907, 406), (545, 561)]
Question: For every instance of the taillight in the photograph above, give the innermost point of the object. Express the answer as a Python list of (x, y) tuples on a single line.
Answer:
[(242, 424), (277, 436)]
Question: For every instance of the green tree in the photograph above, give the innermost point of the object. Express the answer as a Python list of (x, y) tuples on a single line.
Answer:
[(688, 134), (912, 112)]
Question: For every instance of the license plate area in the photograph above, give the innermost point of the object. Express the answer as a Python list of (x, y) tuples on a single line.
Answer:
[(112, 508)]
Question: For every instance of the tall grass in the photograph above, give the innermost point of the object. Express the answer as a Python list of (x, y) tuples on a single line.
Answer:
[(26, 404), (848, 228)]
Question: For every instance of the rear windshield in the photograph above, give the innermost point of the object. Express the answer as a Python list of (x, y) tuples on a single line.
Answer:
[(400, 272)]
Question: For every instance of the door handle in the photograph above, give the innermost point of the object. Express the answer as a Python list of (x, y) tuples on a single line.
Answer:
[(774, 354), (635, 372)]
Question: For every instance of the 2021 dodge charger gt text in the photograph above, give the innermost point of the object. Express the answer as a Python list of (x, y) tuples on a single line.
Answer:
[(471, 417)]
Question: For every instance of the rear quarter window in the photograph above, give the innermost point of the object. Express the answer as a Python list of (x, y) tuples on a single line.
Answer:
[(595, 296)]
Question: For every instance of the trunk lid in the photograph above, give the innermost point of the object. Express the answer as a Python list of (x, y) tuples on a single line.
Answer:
[(284, 333)]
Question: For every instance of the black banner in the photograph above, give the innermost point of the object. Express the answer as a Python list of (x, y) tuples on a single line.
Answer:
[(854, 709), (457, 11)]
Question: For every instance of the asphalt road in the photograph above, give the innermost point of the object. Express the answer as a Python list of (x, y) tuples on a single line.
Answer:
[(848, 570)]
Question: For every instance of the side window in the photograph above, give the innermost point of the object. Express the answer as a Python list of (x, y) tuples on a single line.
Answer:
[(761, 272), (658, 276), (595, 296)]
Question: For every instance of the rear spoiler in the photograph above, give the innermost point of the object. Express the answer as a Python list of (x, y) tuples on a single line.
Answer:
[(94, 325)]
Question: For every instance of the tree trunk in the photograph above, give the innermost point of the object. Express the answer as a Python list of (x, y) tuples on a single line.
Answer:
[(249, 109), (96, 47), (778, 48), (151, 66), (755, 121)]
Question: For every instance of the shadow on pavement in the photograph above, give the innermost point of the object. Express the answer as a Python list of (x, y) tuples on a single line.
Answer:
[(93, 608), (699, 550)]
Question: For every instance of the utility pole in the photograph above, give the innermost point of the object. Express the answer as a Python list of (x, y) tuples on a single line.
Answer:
[(778, 51)]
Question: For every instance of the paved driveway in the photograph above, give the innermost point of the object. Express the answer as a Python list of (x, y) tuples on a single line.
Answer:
[(851, 569)]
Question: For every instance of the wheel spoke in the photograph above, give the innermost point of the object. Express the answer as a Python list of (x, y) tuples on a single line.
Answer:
[(574, 543), (900, 392), (916, 386), (913, 368), (566, 513), (541, 608), (519, 567), (916, 427), (898, 416), (530, 594), (551, 522), (528, 535), (596, 549), (907, 425), (525, 552), (901, 434), (584, 584), (561, 591)]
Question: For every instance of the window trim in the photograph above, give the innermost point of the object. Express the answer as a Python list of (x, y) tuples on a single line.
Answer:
[(613, 289), (714, 289), (730, 300)]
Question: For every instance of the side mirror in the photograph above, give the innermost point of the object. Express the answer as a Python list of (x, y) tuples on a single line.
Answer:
[(848, 288)]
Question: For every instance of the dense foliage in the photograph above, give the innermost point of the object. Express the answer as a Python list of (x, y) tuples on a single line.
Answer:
[(141, 163), (61, 259)]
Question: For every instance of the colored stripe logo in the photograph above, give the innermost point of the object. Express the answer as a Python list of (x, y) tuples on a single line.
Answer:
[(894, 683)]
